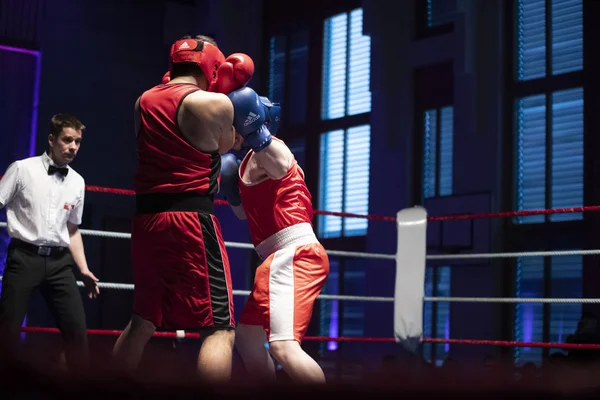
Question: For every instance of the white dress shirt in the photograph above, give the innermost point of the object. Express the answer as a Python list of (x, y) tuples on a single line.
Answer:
[(39, 205)]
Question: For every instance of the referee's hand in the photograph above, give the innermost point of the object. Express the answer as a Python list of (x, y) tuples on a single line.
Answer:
[(90, 282)]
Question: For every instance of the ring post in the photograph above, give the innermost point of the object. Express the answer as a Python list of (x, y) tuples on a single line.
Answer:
[(410, 276)]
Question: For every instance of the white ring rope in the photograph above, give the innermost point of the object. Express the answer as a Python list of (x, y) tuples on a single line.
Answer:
[(249, 246), (516, 254), (129, 286)]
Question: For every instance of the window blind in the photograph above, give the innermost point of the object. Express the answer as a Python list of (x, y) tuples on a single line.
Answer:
[(440, 12), (529, 317)]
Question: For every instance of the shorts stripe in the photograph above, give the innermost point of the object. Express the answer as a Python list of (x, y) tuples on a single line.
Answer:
[(281, 295), (217, 278)]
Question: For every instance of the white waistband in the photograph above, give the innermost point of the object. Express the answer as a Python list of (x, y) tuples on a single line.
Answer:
[(295, 235)]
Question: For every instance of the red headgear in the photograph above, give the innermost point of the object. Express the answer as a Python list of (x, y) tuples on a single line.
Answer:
[(205, 55)]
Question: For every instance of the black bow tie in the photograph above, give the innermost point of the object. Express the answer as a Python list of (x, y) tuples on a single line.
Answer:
[(54, 169)]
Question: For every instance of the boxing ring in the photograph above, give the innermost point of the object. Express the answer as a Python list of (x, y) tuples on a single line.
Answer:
[(390, 257)]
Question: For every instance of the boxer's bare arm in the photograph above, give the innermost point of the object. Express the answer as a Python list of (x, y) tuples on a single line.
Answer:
[(275, 159), (227, 139), (239, 212), (206, 121)]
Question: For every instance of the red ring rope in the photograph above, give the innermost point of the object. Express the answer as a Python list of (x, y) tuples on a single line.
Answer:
[(504, 214), (504, 343), (387, 218), (128, 192)]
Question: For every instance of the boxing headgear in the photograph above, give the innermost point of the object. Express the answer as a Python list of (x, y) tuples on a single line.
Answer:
[(205, 55), (273, 114)]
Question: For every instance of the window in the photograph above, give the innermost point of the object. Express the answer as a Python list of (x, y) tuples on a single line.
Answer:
[(288, 75), (549, 107), (345, 152), (346, 66), (437, 152), (436, 315), (344, 181), (536, 57), (565, 276), (440, 12), (346, 276), (329, 312), (550, 155), (277, 57)]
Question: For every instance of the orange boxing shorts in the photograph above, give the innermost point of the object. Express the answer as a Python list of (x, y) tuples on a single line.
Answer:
[(181, 271), (286, 286)]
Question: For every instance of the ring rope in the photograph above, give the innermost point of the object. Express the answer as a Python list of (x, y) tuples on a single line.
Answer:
[(129, 286), (195, 335), (523, 213), (503, 214), (381, 256), (381, 299), (124, 235), (124, 286), (515, 254)]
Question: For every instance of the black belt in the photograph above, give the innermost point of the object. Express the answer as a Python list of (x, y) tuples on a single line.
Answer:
[(153, 203), (41, 250)]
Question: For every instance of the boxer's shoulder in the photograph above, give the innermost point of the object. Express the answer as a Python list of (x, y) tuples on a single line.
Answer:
[(203, 97), (207, 104)]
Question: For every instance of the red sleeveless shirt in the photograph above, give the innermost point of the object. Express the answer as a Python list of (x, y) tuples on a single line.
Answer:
[(272, 205), (167, 162)]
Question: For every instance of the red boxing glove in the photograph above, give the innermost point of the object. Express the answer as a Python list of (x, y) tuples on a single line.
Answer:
[(166, 77), (233, 74)]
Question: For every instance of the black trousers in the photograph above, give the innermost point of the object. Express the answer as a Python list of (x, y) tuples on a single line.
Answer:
[(26, 271)]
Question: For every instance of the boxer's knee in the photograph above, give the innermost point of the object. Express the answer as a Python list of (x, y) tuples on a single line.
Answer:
[(283, 350), (141, 327), (225, 336)]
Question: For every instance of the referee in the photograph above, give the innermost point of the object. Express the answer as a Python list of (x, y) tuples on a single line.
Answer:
[(44, 199)]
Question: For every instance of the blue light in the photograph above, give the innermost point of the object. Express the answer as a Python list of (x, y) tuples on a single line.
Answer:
[(36, 92), (33, 126)]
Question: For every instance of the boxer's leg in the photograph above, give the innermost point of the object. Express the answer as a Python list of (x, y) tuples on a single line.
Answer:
[(251, 332), (297, 276), (299, 366), (215, 356), (130, 345), (216, 353), (147, 257), (250, 343), (250, 335)]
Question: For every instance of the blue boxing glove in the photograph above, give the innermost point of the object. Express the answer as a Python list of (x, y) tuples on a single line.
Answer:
[(249, 116), (273, 113), (230, 165)]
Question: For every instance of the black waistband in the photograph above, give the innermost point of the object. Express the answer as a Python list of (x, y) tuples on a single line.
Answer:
[(41, 250), (153, 203)]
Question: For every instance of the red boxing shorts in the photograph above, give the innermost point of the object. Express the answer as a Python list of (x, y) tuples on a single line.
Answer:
[(181, 271), (286, 286)]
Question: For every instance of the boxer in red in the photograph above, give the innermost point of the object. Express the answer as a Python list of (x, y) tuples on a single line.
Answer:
[(267, 188), (180, 266)]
